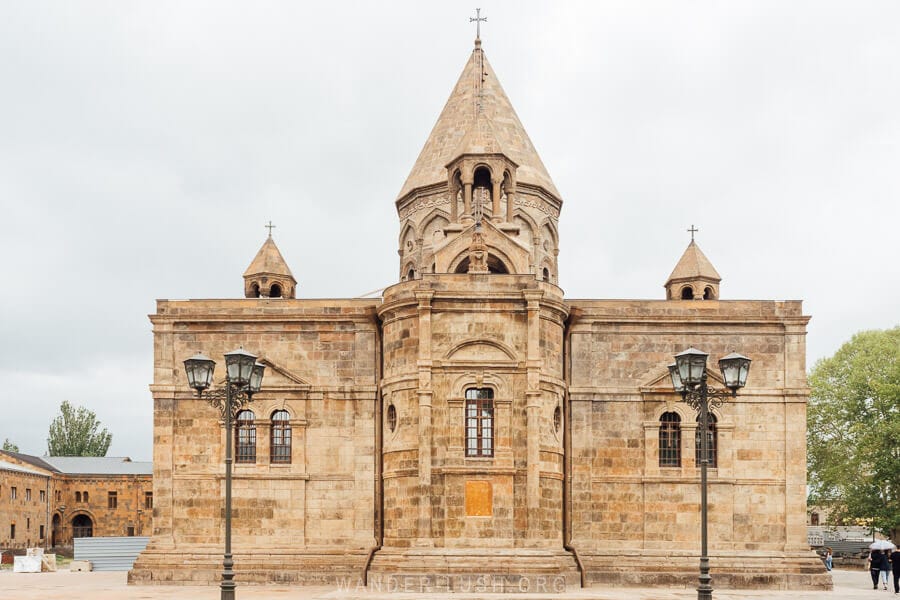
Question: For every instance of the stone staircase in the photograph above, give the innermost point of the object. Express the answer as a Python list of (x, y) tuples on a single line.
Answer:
[(501, 570)]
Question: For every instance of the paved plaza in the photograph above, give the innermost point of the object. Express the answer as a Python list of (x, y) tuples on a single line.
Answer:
[(63, 585)]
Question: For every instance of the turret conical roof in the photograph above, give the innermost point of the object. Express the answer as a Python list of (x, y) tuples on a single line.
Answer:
[(694, 265), (268, 261), (478, 118)]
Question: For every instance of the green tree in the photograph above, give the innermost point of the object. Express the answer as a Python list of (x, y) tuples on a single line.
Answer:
[(9, 446), (76, 432), (853, 431)]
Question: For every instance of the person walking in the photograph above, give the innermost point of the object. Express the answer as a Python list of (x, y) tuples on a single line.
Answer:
[(895, 566), (829, 557), (884, 567), (874, 564)]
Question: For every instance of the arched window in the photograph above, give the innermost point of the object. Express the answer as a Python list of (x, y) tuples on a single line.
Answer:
[(410, 275), (479, 422), (546, 274), (670, 440), (280, 447), (84, 496), (814, 519), (82, 527), (557, 419), (391, 417), (708, 294), (481, 193), (254, 290), (687, 293), (711, 440), (245, 437), (77, 496), (275, 291)]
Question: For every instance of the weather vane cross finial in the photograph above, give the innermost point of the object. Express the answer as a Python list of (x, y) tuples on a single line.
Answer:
[(270, 227), (692, 231), (477, 19)]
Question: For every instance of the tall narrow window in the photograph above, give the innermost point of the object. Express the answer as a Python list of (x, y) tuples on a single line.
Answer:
[(43, 495), (281, 437), (77, 496), (670, 440), (84, 496), (479, 422), (711, 438), (12, 493), (245, 437), (148, 499), (112, 500), (28, 494)]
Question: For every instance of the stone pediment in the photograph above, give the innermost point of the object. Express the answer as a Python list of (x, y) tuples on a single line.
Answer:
[(482, 351), (510, 253), (278, 377), (659, 381)]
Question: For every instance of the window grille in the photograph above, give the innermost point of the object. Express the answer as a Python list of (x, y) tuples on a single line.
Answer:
[(480, 422), (670, 440), (711, 438), (245, 437), (281, 438)]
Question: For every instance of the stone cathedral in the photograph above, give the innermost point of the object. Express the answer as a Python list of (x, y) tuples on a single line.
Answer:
[(473, 422)]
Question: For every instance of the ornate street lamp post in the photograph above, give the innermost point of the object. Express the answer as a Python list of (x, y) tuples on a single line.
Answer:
[(688, 375), (243, 378)]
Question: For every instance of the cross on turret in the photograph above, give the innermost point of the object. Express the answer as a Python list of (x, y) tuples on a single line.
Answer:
[(477, 19), (692, 231), (270, 227)]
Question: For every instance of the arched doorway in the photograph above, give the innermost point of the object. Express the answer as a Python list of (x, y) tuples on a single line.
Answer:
[(55, 533), (82, 526)]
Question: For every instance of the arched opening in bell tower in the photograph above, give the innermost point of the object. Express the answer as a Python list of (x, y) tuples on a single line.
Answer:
[(495, 265), (481, 192)]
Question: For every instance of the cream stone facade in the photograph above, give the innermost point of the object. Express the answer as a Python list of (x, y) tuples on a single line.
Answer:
[(474, 422)]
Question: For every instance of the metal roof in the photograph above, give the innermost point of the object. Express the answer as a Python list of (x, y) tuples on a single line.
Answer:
[(110, 553), (8, 466), (32, 460), (99, 465)]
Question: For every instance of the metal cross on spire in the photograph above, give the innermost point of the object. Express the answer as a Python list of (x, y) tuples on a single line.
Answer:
[(477, 19), (270, 227), (692, 231)]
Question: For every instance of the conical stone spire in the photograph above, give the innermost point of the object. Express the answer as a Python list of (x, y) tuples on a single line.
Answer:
[(694, 277), (478, 115), (269, 276)]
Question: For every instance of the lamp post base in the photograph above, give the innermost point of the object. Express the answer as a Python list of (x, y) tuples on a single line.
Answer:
[(228, 585), (227, 588), (704, 590)]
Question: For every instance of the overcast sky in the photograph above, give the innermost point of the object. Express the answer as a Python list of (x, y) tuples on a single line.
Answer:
[(143, 146)]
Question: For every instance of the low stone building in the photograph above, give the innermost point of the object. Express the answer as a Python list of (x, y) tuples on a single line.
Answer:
[(474, 422), (24, 509), (46, 501)]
